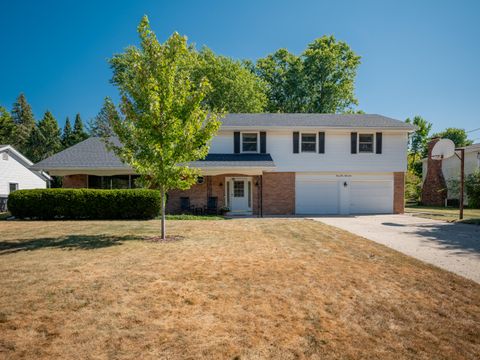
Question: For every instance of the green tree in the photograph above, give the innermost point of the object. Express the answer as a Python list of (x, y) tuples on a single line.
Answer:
[(458, 136), (34, 145), (100, 125), (284, 76), (79, 134), (321, 79), (50, 133), (165, 123), (67, 134), (22, 116), (234, 87), (418, 142), (7, 126), (330, 68)]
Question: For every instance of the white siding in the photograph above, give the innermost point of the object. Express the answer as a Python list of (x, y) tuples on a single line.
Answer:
[(222, 143), (13, 171), (337, 155)]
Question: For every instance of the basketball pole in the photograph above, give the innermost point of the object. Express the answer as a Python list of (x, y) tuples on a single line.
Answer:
[(462, 179)]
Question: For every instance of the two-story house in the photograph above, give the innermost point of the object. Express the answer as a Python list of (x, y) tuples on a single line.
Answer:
[(274, 164)]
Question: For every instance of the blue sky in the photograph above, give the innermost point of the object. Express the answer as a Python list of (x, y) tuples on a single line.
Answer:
[(418, 57)]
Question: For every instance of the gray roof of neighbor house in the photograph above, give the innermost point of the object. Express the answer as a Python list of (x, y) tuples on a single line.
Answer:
[(314, 120), (93, 154)]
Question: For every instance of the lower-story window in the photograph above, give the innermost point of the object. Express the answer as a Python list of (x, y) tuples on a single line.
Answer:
[(112, 182), (13, 187)]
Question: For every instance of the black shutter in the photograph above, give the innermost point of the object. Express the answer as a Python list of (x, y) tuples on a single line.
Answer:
[(379, 143), (263, 142), (321, 142), (353, 142), (295, 142), (236, 142)]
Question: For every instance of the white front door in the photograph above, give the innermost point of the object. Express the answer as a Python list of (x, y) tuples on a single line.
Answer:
[(240, 194)]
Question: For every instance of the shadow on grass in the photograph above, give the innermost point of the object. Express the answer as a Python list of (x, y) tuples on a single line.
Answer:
[(71, 242)]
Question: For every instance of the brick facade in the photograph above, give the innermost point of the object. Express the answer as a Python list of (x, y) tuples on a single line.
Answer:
[(398, 192), (434, 189), (212, 186), (278, 193), (75, 181)]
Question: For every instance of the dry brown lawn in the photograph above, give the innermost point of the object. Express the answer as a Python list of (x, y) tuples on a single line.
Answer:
[(236, 289)]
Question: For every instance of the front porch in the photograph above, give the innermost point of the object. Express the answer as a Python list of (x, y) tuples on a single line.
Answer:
[(239, 193)]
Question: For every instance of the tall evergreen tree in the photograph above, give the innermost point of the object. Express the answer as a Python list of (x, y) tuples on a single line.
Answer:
[(50, 133), (79, 134), (7, 126), (100, 125), (22, 116), (34, 145), (67, 134)]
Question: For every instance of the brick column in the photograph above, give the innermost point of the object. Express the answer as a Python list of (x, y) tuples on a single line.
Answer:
[(398, 192), (278, 193), (434, 189)]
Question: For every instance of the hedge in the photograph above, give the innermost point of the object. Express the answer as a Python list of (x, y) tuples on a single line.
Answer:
[(84, 204)]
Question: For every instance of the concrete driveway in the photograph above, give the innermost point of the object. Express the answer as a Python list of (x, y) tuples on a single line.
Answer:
[(453, 247)]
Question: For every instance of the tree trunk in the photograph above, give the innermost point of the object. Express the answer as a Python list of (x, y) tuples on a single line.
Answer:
[(164, 235)]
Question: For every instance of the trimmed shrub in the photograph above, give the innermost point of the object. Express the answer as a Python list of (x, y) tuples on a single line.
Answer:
[(472, 188), (84, 204)]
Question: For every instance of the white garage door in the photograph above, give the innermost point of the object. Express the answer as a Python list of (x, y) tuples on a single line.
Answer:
[(368, 197), (316, 196)]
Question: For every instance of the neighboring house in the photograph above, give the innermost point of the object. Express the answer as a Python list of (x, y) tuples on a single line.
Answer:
[(15, 173), (274, 164), (450, 168)]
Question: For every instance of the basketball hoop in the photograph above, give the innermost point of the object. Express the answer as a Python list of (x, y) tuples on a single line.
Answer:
[(443, 149)]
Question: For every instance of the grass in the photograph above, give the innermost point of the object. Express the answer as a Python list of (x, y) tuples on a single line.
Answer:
[(470, 216), (4, 215), (238, 289)]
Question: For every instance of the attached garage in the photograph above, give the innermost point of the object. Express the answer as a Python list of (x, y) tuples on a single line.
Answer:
[(316, 196), (343, 194), (371, 196)]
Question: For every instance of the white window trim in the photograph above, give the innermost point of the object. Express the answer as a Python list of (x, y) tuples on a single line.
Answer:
[(13, 183), (258, 142), (373, 145), (316, 142)]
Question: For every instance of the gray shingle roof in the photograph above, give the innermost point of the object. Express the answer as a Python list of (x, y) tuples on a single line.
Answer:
[(91, 153), (314, 120), (235, 160)]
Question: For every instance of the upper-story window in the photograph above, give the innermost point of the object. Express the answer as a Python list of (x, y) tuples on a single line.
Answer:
[(249, 142), (365, 143), (309, 142), (5, 156)]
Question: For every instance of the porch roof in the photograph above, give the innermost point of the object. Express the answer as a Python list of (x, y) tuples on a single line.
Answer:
[(234, 160)]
